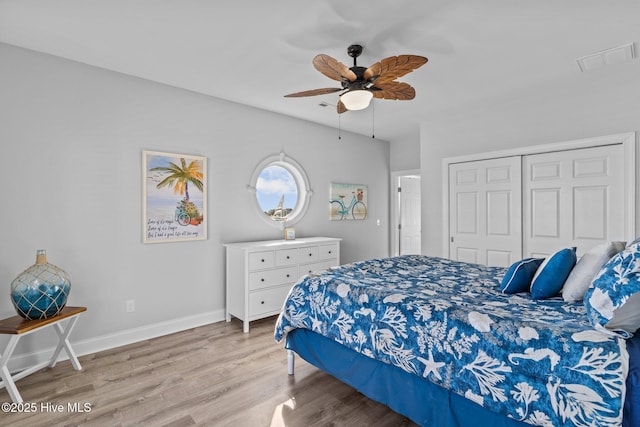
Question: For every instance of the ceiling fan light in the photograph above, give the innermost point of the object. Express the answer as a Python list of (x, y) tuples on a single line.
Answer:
[(356, 99)]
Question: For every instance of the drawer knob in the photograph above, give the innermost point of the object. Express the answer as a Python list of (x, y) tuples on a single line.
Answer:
[(287, 275), (329, 252), (309, 253), (262, 260), (288, 257), (261, 302), (262, 280)]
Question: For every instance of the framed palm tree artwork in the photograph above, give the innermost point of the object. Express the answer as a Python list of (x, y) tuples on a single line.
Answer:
[(174, 197)]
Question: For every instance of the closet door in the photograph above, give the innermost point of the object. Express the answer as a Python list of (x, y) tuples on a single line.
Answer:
[(485, 211), (573, 198)]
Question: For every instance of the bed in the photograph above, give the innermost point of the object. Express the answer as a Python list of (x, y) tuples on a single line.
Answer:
[(439, 342)]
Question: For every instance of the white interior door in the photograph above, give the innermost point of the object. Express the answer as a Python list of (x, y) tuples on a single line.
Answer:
[(485, 205), (573, 198), (409, 228)]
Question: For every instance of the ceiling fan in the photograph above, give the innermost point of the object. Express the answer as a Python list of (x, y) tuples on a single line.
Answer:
[(360, 84)]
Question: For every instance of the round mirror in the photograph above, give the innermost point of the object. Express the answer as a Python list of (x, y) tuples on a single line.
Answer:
[(281, 190)]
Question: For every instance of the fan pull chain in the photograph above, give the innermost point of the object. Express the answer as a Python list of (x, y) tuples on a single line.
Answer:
[(339, 128), (373, 120)]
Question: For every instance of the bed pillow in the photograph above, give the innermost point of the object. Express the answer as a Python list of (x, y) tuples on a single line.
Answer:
[(552, 273), (613, 299), (637, 240), (586, 269), (519, 275)]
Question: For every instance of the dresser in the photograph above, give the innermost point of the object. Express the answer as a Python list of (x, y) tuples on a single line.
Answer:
[(260, 274)]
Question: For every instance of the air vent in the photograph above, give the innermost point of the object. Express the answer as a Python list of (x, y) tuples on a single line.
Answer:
[(614, 55)]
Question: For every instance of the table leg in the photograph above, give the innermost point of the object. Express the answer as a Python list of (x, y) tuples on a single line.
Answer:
[(63, 335), (4, 371)]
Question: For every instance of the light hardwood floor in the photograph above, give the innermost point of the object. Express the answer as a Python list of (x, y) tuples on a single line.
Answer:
[(213, 375)]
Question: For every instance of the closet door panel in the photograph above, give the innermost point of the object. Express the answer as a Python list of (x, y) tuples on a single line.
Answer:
[(503, 258), (545, 212), (467, 209), (466, 255), (590, 212), (572, 198), (498, 203)]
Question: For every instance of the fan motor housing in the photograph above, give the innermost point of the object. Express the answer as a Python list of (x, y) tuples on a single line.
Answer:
[(359, 82)]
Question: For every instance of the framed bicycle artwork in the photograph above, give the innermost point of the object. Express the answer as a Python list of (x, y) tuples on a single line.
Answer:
[(348, 201), (174, 197)]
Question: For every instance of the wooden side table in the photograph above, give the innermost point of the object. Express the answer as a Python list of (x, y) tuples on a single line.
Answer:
[(18, 327)]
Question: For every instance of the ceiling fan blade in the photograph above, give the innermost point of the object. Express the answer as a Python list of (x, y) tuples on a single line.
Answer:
[(393, 67), (341, 107), (333, 68), (314, 92), (393, 90)]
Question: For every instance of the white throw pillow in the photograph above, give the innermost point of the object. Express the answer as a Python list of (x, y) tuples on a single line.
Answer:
[(612, 301), (586, 269)]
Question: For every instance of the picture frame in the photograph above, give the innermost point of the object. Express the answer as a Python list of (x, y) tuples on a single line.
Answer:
[(174, 197), (348, 201), (289, 233)]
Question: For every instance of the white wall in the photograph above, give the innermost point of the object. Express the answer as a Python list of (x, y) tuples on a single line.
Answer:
[(596, 103), (71, 138)]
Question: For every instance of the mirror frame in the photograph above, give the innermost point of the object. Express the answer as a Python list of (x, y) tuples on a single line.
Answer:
[(302, 183)]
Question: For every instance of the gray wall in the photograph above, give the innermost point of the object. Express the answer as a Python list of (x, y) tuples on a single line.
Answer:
[(405, 152), (596, 103), (71, 138)]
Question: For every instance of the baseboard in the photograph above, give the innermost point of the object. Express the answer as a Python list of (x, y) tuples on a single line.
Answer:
[(118, 339)]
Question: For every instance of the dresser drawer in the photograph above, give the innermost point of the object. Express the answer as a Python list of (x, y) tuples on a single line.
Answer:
[(259, 260), (308, 268), (328, 251), (309, 254), (267, 300), (268, 278), (286, 257)]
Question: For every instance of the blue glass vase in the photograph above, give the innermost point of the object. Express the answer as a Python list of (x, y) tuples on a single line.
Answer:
[(41, 290)]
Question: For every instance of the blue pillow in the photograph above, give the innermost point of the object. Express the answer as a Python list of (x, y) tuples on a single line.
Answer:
[(550, 277), (613, 299), (519, 275)]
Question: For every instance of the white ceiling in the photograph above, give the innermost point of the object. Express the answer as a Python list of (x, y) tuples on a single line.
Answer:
[(255, 51)]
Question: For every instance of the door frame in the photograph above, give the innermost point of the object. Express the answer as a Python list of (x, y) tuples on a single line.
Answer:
[(395, 207), (628, 141)]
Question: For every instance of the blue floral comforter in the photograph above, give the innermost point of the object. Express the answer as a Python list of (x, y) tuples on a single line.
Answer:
[(538, 361)]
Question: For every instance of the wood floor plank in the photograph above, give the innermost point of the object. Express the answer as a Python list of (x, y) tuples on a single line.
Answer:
[(213, 375)]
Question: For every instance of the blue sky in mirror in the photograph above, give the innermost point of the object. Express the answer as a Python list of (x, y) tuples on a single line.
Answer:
[(274, 182)]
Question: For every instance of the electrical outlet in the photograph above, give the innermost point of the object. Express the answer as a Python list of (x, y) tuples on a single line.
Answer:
[(130, 305)]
